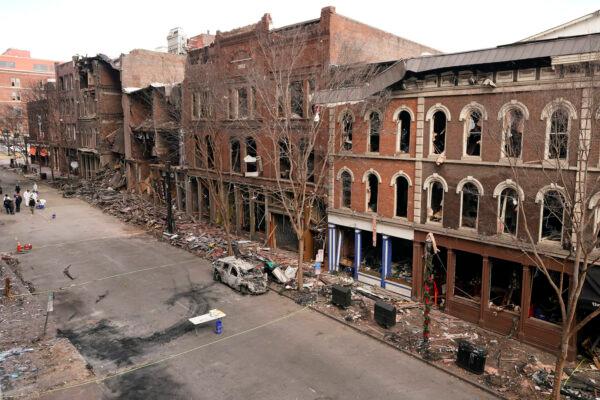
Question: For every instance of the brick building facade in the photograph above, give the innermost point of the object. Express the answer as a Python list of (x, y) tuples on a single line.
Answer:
[(252, 170), (19, 75), (456, 147)]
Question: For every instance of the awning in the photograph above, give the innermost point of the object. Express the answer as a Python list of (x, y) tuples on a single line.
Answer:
[(589, 299), (32, 150)]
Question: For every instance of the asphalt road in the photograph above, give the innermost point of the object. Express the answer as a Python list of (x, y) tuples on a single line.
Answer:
[(270, 348)]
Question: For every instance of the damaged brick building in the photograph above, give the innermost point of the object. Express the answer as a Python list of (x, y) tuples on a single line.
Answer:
[(252, 163), (456, 145)]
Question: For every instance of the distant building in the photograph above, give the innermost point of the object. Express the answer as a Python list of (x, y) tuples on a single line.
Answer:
[(176, 41), (588, 24), (19, 73)]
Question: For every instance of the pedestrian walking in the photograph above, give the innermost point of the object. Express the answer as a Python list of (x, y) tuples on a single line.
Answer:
[(11, 206), (6, 203), (35, 187), (18, 188), (31, 204), (18, 201), (26, 197)]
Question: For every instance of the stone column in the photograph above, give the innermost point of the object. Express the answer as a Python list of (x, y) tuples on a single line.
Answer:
[(357, 252), (385, 258), (331, 258)]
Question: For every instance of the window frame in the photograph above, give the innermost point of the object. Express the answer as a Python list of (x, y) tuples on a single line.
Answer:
[(343, 116), (345, 172), (429, 118), (365, 180), (559, 104), (540, 198), (465, 115), (502, 114), (368, 120), (460, 191), (427, 185), (396, 118)]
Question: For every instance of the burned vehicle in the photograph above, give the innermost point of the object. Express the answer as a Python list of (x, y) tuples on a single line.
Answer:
[(240, 275)]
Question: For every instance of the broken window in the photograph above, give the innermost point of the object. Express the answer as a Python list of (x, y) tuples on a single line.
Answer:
[(401, 197), (514, 122), (242, 103), (439, 133), (205, 207), (404, 130), (558, 136), (470, 206), (467, 276), (195, 105), (473, 142), (508, 211), (374, 128), (346, 179), (505, 284), (347, 125), (250, 159), (284, 159), (231, 105), (544, 304), (83, 79), (210, 156), (310, 159), (401, 262), (552, 216), (297, 99), (259, 213), (435, 212), (236, 165), (372, 192)]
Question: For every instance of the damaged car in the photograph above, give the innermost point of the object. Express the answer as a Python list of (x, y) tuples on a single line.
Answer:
[(240, 275)]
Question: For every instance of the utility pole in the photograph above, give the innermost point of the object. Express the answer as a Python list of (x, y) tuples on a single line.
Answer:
[(168, 200)]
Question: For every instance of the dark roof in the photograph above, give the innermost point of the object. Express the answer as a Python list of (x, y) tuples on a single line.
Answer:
[(519, 51), (506, 53)]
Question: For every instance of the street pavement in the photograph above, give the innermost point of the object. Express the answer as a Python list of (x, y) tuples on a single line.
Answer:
[(129, 306)]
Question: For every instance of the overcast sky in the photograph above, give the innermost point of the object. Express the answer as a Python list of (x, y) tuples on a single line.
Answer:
[(57, 29)]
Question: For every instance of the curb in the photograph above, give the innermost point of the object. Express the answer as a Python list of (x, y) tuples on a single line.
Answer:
[(416, 356)]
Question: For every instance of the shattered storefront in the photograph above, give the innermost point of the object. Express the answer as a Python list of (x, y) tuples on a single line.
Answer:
[(376, 252), (495, 287)]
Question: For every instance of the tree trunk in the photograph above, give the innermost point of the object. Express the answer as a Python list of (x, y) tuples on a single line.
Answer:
[(299, 275), (559, 366)]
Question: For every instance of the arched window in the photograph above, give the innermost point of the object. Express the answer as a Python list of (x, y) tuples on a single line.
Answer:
[(372, 192), (403, 142), (346, 179), (473, 134), (508, 211), (558, 134), (552, 216), (435, 209), (401, 184), (469, 205), (347, 123), (514, 123), (438, 133), (374, 131)]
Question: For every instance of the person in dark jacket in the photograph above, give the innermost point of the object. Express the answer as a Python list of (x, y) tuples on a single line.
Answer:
[(18, 201), (31, 204), (6, 203), (18, 188)]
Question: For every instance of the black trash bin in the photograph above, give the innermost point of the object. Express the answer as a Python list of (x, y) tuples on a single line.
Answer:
[(470, 357)]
